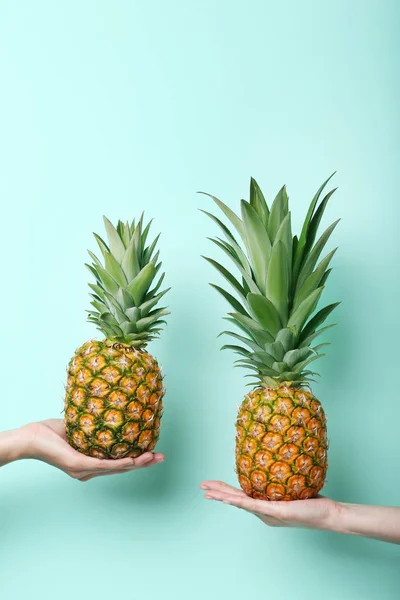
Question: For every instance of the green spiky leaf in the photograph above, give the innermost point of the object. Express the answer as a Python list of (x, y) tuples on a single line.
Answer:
[(257, 243), (278, 280), (265, 313), (117, 247), (257, 201), (280, 285), (123, 293)]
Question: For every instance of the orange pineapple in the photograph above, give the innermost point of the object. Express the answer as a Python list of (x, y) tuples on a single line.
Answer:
[(281, 443), (288, 440)]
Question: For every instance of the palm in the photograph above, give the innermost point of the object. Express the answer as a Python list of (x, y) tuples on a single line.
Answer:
[(49, 443), (298, 513)]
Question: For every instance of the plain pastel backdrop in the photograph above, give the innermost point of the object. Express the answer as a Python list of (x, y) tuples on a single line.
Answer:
[(114, 107)]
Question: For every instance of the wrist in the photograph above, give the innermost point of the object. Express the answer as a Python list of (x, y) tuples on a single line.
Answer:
[(14, 445), (28, 441), (350, 518), (337, 517)]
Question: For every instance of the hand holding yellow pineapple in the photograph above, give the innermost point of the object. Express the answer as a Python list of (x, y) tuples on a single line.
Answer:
[(46, 441)]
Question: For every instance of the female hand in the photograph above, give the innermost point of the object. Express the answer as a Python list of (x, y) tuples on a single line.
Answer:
[(316, 513), (377, 522), (46, 441)]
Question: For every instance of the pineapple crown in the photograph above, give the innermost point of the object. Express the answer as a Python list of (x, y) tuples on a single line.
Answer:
[(123, 299), (279, 287)]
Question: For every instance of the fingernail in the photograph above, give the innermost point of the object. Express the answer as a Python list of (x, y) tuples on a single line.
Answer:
[(208, 497), (160, 460), (203, 486)]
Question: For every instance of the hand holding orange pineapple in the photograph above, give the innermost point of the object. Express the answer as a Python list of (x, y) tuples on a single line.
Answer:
[(377, 522), (46, 441)]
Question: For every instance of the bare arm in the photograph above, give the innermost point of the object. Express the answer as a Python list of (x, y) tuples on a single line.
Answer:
[(377, 522), (12, 446), (46, 441)]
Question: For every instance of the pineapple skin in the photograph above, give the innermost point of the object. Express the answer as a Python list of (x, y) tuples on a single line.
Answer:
[(113, 402), (281, 444)]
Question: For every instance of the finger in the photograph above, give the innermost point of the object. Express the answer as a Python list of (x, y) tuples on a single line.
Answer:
[(85, 475), (272, 509), (88, 476), (144, 465), (93, 465), (145, 459), (159, 456), (113, 467), (220, 486), (155, 461)]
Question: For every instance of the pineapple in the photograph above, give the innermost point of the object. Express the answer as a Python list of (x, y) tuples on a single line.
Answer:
[(114, 391), (281, 443)]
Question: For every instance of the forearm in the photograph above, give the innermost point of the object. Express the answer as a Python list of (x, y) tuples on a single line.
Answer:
[(12, 446), (377, 522)]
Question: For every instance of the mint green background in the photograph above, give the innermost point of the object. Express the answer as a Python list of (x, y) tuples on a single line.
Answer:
[(112, 107)]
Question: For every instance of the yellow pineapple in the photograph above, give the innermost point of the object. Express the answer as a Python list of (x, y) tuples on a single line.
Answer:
[(114, 391), (281, 440)]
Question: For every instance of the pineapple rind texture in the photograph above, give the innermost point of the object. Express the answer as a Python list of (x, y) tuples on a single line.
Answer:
[(281, 444), (113, 401)]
